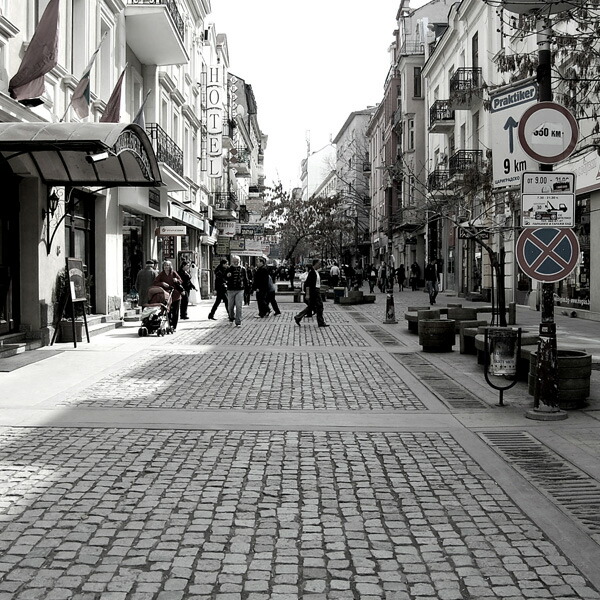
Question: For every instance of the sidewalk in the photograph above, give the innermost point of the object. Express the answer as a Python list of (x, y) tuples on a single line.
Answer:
[(275, 462)]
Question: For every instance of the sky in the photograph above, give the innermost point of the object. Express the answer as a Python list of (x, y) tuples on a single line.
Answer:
[(310, 64)]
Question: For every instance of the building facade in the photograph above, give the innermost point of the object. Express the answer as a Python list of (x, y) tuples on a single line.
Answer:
[(115, 194)]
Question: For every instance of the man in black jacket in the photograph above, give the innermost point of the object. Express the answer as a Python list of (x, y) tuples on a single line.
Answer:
[(312, 289), (220, 288), (237, 281), (260, 283)]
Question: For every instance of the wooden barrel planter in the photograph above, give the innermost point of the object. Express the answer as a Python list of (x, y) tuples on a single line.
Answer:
[(574, 373), (436, 335)]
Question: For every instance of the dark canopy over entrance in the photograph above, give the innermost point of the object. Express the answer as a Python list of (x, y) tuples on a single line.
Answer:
[(81, 154)]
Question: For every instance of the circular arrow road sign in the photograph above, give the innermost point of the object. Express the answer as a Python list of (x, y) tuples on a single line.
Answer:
[(547, 254), (548, 132)]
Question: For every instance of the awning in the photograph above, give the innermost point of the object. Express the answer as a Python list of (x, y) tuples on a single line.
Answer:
[(90, 154)]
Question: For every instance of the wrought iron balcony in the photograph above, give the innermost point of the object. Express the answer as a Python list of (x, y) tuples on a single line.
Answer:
[(411, 47), (165, 148), (441, 117), (464, 84), (438, 180), (172, 9), (155, 32), (465, 160)]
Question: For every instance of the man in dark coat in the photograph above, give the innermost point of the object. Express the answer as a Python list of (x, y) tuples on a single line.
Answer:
[(312, 287), (220, 288), (260, 283)]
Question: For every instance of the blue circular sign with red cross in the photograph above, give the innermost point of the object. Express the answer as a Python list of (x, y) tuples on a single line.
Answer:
[(547, 254)]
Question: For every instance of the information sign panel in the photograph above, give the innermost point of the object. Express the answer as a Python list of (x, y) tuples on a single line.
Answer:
[(548, 199)]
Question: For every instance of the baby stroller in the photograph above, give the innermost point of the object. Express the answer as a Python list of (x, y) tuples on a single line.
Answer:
[(155, 314)]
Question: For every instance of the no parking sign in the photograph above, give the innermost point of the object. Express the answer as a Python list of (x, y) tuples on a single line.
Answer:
[(547, 254)]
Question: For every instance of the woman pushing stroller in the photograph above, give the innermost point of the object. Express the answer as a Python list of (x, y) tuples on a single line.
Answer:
[(167, 279)]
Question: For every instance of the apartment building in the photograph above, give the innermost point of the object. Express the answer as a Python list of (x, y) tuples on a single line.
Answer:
[(353, 169), (111, 192)]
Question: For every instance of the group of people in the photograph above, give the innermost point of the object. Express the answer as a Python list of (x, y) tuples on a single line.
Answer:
[(183, 284), (234, 285), (384, 277)]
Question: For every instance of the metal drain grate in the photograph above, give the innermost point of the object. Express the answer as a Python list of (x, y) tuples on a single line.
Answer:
[(382, 336), (358, 316), (450, 392), (573, 489)]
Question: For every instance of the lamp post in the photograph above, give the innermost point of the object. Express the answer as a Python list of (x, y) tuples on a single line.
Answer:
[(390, 311)]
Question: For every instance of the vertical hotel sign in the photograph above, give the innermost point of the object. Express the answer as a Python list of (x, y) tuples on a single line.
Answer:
[(214, 113)]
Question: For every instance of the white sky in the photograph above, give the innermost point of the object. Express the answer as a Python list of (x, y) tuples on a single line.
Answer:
[(310, 64)]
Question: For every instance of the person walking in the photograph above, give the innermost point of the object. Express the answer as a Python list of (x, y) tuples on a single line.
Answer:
[(372, 277), (292, 275), (312, 287), (271, 299), (401, 276), (188, 286), (194, 295), (382, 277), (237, 281), (169, 279), (220, 288), (415, 275), (431, 281), (248, 291), (260, 284), (144, 279), (334, 275)]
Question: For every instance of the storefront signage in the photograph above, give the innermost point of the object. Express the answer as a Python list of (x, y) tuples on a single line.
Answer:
[(252, 230), (172, 230), (215, 97), (228, 228), (222, 245)]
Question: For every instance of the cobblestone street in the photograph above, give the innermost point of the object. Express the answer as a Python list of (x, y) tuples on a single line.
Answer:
[(279, 462)]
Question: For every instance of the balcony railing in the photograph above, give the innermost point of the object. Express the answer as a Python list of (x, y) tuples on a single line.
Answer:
[(173, 12), (240, 155), (440, 114), (224, 201), (465, 79), (438, 180), (411, 47), (165, 148), (465, 160)]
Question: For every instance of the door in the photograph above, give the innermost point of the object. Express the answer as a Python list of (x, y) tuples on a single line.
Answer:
[(79, 236), (9, 254)]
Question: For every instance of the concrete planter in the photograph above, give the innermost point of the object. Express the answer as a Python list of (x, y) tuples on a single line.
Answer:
[(436, 335), (574, 373)]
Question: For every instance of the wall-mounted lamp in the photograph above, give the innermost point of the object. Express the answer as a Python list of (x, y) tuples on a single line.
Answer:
[(94, 158), (52, 202)]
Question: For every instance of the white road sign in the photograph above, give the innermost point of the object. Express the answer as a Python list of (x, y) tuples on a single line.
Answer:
[(509, 160), (548, 199)]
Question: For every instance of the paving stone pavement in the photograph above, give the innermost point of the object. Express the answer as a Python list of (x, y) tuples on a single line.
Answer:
[(392, 496)]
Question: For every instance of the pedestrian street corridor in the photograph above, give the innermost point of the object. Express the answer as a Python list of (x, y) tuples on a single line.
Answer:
[(276, 462)]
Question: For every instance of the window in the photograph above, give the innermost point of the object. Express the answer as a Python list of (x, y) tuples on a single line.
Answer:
[(411, 134), (417, 86), (79, 44)]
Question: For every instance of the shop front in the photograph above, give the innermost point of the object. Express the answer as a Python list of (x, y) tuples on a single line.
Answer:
[(59, 181)]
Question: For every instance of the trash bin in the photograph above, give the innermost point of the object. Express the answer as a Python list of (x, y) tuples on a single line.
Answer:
[(338, 292), (503, 351)]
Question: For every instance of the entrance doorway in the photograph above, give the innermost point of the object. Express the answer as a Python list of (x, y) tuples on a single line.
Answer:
[(79, 236), (9, 253)]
